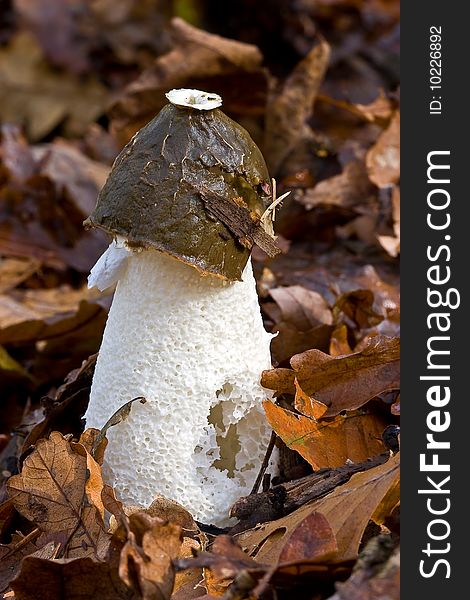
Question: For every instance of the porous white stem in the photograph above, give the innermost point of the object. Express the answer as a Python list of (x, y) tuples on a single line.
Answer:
[(195, 348)]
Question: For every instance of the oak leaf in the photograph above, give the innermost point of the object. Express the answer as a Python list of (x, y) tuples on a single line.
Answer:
[(341, 382)]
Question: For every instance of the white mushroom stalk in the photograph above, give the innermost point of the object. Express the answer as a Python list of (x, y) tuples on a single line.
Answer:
[(184, 342), (193, 345)]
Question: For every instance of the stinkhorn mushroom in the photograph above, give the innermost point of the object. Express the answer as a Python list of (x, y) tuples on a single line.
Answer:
[(185, 201)]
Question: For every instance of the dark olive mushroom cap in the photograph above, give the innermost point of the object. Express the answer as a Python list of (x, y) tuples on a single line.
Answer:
[(162, 186)]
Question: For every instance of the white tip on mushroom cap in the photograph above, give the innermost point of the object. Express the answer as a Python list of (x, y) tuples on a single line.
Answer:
[(195, 348), (194, 99)]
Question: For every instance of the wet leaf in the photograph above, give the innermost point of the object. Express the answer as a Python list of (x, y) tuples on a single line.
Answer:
[(341, 382)]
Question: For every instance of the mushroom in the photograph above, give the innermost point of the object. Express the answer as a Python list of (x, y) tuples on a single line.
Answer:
[(185, 201)]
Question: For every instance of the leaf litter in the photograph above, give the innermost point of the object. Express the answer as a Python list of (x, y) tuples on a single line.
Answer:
[(317, 88)]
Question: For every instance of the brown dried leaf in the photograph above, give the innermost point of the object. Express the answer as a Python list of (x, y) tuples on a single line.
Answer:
[(47, 192), (372, 580), (328, 442), (350, 507), (147, 555), (51, 492), (224, 563), (12, 554), (14, 271), (70, 579), (378, 111), (287, 111), (313, 539), (289, 340), (301, 307), (30, 315), (341, 382), (65, 412), (35, 95), (339, 343), (303, 536), (198, 59), (347, 509), (349, 189), (383, 159), (391, 243), (358, 305)]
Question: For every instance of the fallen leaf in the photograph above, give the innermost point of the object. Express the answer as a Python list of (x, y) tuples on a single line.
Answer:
[(391, 243), (383, 159), (339, 343), (301, 307), (30, 315), (55, 500), (328, 442), (199, 60), (46, 193), (11, 555), (372, 579), (350, 506), (287, 111), (289, 340), (14, 271), (358, 305), (146, 557), (41, 98), (347, 509), (350, 189), (70, 579), (341, 382), (64, 412)]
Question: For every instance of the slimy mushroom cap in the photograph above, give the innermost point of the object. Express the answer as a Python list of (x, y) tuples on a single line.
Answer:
[(191, 183)]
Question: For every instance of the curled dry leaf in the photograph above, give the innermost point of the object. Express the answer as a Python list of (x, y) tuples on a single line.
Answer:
[(341, 382), (288, 110), (328, 442), (383, 159), (146, 557), (358, 305), (51, 491)]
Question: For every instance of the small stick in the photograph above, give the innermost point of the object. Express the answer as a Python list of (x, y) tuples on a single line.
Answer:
[(265, 463)]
